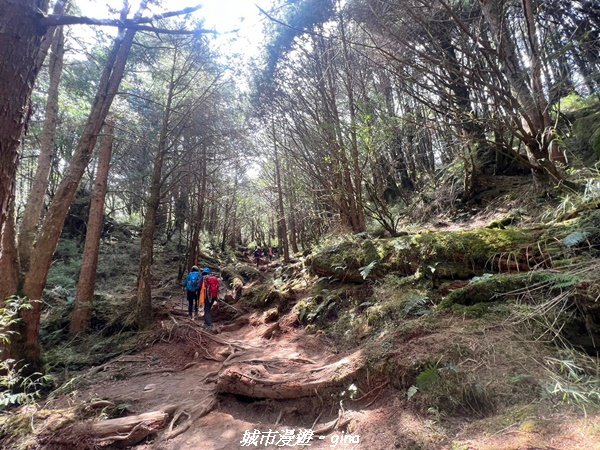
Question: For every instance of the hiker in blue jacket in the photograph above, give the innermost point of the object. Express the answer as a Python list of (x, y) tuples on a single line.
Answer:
[(192, 285)]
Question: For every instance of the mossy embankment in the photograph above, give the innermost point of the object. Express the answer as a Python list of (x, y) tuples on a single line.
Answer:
[(442, 314), (457, 254)]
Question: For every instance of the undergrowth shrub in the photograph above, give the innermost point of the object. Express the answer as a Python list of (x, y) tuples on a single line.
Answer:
[(16, 388), (446, 389)]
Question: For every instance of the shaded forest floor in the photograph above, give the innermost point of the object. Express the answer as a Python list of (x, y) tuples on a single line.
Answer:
[(367, 361)]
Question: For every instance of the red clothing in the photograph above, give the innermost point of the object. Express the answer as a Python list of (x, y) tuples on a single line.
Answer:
[(212, 284)]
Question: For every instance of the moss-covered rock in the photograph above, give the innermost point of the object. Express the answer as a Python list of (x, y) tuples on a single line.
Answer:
[(492, 287), (586, 131), (456, 254)]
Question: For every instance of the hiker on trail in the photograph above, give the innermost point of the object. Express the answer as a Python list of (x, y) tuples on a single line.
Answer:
[(270, 253), (257, 255), (210, 287), (192, 286)]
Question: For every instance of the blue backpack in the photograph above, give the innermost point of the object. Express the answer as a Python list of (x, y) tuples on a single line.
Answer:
[(193, 282)]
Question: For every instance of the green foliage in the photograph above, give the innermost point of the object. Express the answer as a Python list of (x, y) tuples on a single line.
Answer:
[(428, 378), (495, 287), (575, 378), (396, 299), (446, 389), (365, 271), (300, 16), (9, 316), (574, 102), (16, 388), (65, 270)]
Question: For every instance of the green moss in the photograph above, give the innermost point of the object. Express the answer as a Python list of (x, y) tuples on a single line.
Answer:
[(586, 131), (503, 222), (457, 254), (473, 311), (492, 288)]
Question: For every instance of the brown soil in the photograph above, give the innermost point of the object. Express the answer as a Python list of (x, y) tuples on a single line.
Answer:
[(180, 365)]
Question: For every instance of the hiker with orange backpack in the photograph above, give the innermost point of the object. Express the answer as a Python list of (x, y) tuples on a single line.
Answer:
[(208, 294)]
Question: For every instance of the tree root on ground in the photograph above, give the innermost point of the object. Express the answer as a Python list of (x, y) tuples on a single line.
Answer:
[(195, 413), (256, 381), (124, 431), (338, 423), (130, 430)]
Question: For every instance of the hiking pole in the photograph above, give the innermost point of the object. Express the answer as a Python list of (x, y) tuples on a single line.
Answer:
[(227, 304)]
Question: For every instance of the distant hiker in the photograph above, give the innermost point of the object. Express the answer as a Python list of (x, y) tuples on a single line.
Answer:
[(192, 286), (211, 293), (257, 254), (270, 253)]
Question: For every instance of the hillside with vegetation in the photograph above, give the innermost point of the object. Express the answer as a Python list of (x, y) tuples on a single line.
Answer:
[(399, 201)]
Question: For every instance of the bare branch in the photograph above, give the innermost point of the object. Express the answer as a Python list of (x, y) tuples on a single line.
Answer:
[(53, 20)]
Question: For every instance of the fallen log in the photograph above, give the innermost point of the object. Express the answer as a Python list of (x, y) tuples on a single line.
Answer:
[(262, 380)]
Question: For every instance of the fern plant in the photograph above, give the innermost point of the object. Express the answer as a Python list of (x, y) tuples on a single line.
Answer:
[(15, 388)]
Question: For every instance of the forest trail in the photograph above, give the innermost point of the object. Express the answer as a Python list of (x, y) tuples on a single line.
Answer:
[(181, 370), (201, 386)]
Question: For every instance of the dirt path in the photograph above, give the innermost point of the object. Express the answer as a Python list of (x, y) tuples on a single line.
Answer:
[(191, 373), (179, 371)]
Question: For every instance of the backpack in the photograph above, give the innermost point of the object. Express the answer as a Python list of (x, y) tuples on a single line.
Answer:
[(212, 283), (193, 282)]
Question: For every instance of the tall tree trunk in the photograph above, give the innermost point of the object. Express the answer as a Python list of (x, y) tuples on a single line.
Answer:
[(84, 297), (531, 99), (9, 263), (200, 211), (143, 312), (282, 227), (20, 38), (27, 347), (35, 201)]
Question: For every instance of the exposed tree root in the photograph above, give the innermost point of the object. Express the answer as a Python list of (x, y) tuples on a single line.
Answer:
[(195, 413), (256, 381), (124, 431), (151, 372), (268, 333), (337, 424)]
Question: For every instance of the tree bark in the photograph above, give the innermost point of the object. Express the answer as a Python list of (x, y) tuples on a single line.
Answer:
[(144, 286), (282, 226), (9, 263), (35, 201), (27, 347), (84, 297), (20, 38)]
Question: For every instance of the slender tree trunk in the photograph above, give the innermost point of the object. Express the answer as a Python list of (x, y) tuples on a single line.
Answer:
[(283, 243), (27, 347), (199, 221), (534, 107), (9, 263), (144, 287), (35, 201), (84, 297)]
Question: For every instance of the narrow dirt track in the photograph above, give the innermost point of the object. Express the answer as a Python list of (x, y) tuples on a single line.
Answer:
[(214, 385)]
